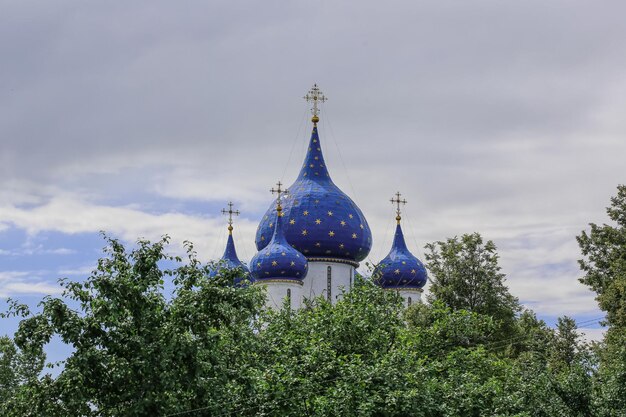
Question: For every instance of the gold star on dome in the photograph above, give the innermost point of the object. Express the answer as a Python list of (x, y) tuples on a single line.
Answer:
[(341, 246), (318, 221), (397, 271), (282, 272), (331, 233), (403, 262), (262, 237), (316, 158), (292, 221), (258, 264), (330, 213), (318, 244), (343, 223), (304, 232), (283, 254), (413, 271), (274, 263), (306, 212), (353, 235), (350, 215), (361, 226), (292, 263), (311, 165), (271, 225)]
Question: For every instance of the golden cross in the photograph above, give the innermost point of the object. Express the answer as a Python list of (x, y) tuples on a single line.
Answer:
[(230, 213), (398, 201), (280, 192), (315, 96)]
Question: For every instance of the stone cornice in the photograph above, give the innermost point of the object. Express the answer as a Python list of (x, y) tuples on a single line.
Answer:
[(334, 260)]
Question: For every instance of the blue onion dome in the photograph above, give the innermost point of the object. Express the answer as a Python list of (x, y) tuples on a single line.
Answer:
[(400, 269), (277, 259), (230, 260), (320, 220)]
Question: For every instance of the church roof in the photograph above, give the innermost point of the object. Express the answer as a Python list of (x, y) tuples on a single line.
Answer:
[(321, 221), (278, 260), (230, 260), (400, 268)]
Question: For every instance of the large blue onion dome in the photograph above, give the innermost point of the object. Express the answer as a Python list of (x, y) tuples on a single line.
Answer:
[(320, 220), (400, 269), (230, 260), (277, 259)]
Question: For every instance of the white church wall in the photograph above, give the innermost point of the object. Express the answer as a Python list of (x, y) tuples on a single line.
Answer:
[(278, 290), (411, 295), (340, 276)]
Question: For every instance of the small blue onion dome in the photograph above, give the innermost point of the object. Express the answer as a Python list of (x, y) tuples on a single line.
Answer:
[(230, 261), (278, 260), (320, 220), (400, 269)]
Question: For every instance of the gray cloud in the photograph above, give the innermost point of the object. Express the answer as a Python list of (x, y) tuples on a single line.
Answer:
[(500, 117)]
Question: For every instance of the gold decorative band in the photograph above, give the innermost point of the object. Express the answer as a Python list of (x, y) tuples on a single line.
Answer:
[(272, 280), (409, 289), (334, 260)]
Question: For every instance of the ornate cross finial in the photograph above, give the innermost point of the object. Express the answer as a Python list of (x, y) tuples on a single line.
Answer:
[(315, 96), (398, 201), (280, 191), (230, 213)]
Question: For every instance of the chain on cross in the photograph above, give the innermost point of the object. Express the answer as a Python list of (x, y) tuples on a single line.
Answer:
[(397, 200), (280, 192), (230, 213), (316, 97)]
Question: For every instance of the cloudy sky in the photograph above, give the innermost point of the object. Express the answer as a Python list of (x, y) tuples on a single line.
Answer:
[(142, 118)]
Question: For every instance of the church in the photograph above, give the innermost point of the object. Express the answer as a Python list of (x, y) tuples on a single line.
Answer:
[(313, 236)]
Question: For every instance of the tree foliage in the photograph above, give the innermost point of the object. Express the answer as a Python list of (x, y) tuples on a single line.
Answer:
[(152, 334), (135, 352), (604, 265), (466, 276)]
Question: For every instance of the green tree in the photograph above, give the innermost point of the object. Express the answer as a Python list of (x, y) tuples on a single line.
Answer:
[(604, 249), (604, 265), (137, 352), (465, 275), (208, 348)]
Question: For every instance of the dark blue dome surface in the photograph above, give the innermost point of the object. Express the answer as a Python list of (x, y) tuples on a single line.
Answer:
[(278, 260), (400, 269), (320, 220), (230, 261)]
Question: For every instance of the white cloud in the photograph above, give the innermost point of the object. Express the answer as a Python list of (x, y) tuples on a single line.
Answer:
[(72, 214), (592, 334), (518, 136), (84, 271), (25, 282)]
